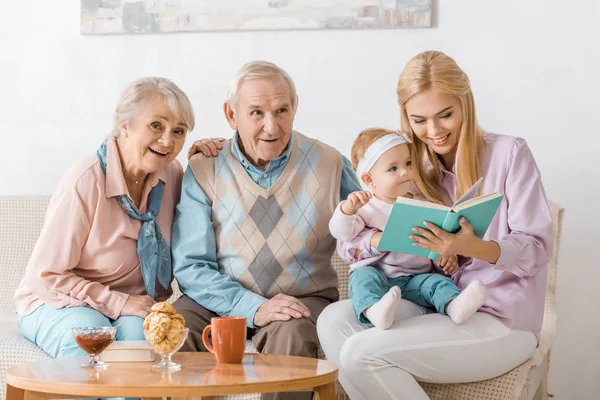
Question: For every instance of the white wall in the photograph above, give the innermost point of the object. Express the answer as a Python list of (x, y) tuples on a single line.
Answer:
[(533, 64)]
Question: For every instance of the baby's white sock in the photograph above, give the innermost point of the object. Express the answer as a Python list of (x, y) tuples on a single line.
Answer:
[(467, 302), (381, 314)]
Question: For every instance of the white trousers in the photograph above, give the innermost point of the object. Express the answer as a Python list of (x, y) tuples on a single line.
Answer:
[(386, 364)]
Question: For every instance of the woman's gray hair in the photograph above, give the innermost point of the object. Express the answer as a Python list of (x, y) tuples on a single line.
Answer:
[(260, 70), (140, 91)]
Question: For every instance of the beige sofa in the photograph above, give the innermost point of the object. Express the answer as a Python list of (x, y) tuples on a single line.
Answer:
[(21, 220)]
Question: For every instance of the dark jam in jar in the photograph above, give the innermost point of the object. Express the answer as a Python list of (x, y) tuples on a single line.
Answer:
[(94, 343)]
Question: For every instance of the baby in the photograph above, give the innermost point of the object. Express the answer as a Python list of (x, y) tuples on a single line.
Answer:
[(378, 280)]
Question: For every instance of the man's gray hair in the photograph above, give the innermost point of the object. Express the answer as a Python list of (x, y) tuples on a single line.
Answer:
[(143, 90), (260, 70)]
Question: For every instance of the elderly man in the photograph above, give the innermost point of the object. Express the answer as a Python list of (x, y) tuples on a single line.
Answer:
[(251, 235)]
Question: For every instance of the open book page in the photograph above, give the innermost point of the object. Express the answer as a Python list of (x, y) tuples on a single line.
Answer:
[(476, 200), (469, 194), (422, 203)]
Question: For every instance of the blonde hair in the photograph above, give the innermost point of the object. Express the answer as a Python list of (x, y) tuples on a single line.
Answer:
[(142, 90), (364, 140), (435, 70), (260, 70)]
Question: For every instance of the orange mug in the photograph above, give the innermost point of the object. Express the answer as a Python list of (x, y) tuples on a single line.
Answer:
[(228, 337)]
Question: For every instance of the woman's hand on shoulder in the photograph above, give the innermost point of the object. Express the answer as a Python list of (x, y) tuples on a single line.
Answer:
[(209, 147)]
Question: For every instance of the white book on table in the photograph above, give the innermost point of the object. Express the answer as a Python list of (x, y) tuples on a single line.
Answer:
[(128, 351)]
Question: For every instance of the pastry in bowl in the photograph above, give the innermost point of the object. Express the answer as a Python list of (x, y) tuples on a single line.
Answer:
[(165, 330)]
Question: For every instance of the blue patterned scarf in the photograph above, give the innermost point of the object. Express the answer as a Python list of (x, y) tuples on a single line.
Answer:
[(152, 248)]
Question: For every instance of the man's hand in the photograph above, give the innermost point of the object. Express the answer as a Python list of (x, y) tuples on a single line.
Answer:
[(280, 308), (137, 305), (355, 201), (448, 263), (208, 147)]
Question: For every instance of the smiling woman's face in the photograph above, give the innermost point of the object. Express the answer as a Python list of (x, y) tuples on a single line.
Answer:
[(154, 138), (436, 119)]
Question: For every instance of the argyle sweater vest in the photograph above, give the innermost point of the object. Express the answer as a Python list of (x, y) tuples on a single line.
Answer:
[(275, 240)]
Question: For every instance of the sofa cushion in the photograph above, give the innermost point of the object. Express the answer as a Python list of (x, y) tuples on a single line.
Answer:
[(14, 349), (21, 220)]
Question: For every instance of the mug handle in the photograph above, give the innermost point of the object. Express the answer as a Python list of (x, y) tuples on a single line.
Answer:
[(205, 340)]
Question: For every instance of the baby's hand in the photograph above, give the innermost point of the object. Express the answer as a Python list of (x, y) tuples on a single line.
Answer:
[(448, 263), (355, 201)]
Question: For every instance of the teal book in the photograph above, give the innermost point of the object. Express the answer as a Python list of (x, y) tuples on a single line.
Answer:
[(409, 213)]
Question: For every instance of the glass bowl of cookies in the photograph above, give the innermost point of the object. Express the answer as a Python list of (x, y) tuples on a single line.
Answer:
[(165, 331)]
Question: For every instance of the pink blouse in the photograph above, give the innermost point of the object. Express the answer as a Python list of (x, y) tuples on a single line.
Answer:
[(522, 228), (86, 254)]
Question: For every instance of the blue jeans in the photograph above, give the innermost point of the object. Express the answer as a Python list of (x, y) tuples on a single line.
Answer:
[(367, 286), (50, 328)]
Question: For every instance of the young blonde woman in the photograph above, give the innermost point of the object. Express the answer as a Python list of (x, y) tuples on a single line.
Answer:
[(451, 152)]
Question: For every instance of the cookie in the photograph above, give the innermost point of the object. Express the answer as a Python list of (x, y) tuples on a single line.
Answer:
[(163, 307)]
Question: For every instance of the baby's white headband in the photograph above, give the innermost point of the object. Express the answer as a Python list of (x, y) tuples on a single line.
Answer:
[(377, 149)]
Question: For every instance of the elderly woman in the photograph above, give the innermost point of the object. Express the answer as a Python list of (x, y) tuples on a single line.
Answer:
[(103, 255)]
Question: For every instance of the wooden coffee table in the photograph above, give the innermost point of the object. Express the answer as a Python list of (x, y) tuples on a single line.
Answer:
[(199, 376)]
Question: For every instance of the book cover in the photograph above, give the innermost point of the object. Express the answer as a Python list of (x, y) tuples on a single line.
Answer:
[(128, 351), (408, 213), (403, 218)]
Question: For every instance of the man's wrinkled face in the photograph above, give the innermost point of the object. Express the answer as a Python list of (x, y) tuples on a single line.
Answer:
[(264, 118)]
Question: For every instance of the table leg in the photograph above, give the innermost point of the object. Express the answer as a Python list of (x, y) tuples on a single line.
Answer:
[(13, 393), (326, 392), (31, 395)]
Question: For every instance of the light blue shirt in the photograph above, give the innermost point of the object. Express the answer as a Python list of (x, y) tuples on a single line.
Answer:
[(194, 244)]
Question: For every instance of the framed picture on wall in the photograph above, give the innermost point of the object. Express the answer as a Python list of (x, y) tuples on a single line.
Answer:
[(100, 17)]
